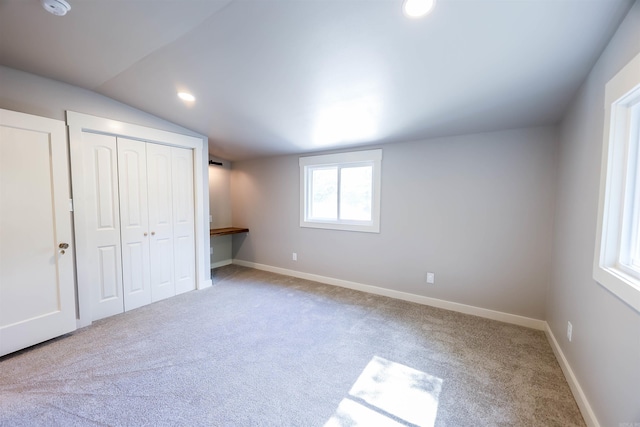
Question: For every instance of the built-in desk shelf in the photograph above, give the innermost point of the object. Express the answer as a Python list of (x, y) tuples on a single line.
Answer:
[(227, 230)]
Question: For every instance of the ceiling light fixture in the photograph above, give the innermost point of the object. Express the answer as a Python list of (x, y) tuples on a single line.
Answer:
[(417, 8), (56, 7), (185, 96)]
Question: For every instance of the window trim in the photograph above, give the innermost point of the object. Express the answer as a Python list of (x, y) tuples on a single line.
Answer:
[(622, 98), (373, 157)]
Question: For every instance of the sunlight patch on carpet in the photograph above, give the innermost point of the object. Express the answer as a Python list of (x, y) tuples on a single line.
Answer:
[(389, 394)]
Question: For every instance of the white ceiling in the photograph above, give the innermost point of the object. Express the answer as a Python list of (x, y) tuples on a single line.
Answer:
[(287, 76)]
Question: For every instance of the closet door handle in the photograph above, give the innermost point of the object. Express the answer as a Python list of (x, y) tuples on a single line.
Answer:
[(153, 233), (63, 246), (145, 234)]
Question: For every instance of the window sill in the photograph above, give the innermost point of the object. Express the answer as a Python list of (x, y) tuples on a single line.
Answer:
[(341, 227), (624, 286)]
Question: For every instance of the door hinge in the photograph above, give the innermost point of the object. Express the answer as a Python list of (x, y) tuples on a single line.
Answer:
[(70, 205)]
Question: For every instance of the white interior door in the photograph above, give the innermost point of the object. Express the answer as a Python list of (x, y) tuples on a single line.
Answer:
[(101, 251), (134, 222), (183, 219), (160, 221), (37, 300)]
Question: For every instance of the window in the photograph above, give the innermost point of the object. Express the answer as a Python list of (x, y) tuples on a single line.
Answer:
[(341, 191), (617, 257)]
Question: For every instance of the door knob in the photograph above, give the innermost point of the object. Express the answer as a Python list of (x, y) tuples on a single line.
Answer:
[(63, 246), (153, 233), (145, 234)]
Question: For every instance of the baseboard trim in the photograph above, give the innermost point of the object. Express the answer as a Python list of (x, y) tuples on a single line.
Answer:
[(205, 284), (585, 408), (405, 296), (221, 263)]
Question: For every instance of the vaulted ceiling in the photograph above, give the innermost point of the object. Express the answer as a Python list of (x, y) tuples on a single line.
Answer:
[(287, 76)]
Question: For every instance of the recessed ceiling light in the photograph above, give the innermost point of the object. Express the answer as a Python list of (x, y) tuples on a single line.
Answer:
[(417, 8), (185, 96)]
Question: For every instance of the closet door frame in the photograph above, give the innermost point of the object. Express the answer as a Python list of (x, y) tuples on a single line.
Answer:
[(78, 124)]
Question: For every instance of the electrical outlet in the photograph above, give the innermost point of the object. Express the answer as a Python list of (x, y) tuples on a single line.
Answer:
[(210, 218), (294, 256), (569, 331), (431, 278)]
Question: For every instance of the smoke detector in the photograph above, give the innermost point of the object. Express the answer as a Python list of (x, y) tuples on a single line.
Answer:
[(56, 7)]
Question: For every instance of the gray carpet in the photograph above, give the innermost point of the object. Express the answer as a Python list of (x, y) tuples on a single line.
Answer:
[(263, 349)]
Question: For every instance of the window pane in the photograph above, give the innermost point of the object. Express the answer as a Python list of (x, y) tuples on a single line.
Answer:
[(324, 193), (355, 193), (633, 176)]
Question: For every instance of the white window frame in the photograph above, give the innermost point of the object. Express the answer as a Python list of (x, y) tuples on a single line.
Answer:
[(366, 157), (619, 196)]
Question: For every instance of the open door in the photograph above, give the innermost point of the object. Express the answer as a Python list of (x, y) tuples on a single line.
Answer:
[(37, 299)]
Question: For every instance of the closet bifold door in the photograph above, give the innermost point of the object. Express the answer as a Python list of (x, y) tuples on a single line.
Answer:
[(183, 219), (160, 193), (102, 219), (134, 222)]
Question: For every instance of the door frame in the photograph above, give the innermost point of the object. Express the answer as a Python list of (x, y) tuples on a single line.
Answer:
[(79, 123)]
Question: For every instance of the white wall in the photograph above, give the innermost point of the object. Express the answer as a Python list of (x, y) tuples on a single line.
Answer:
[(220, 210), (477, 210), (605, 351), (31, 94)]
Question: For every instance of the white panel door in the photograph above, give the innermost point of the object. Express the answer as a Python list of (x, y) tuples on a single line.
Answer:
[(102, 253), (160, 221), (183, 219), (134, 222), (37, 300)]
